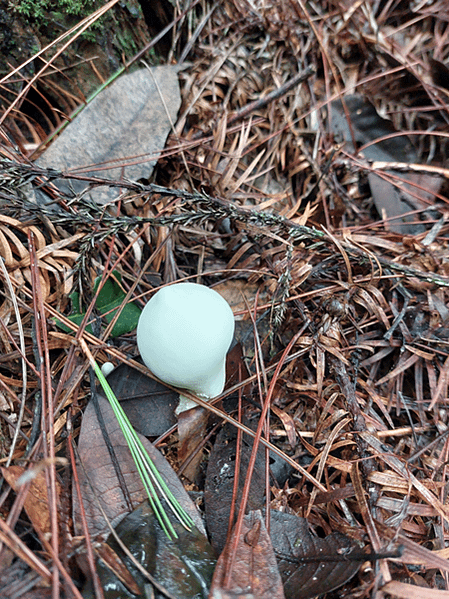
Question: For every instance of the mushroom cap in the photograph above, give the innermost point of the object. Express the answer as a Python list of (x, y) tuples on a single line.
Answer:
[(183, 335)]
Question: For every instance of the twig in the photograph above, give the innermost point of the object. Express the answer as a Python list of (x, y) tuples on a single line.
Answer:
[(263, 102), (202, 208), (23, 352), (47, 401)]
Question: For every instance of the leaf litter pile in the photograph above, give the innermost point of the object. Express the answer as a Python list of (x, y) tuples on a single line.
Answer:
[(291, 157)]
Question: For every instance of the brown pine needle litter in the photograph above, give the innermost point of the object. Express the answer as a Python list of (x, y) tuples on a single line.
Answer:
[(260, 191)]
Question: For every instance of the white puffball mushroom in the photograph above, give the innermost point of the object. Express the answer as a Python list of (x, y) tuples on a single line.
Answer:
[(107, 368), (183, 335)]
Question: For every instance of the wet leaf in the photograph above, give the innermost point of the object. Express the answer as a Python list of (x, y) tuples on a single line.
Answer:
[(220, 481), (293, 541), (254, 570), (183, 567), (99, 470)]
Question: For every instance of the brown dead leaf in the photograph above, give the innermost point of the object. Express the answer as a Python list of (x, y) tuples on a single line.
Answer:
[(36, 501), (98, 470), (192, 429), (254, 570)]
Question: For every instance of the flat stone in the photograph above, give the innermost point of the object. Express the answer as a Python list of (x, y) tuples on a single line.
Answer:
[(118, 135)]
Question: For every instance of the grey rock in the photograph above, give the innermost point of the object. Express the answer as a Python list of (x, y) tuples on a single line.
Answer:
[(118, 135)]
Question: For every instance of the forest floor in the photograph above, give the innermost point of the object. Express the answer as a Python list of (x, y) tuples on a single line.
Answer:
[(291, 156)]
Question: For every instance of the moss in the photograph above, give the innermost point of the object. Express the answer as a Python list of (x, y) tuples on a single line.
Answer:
[(107, 44), (39, 10), (43, 12), (66, 13)]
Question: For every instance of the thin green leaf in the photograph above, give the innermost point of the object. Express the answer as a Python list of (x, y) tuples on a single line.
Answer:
[(151, 478)]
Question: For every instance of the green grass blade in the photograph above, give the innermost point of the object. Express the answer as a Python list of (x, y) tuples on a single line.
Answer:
[(151, 478)]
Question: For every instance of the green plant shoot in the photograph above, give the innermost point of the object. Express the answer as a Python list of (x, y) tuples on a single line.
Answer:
[(153, 482)]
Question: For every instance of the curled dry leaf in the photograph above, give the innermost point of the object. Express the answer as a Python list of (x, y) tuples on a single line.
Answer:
[(55, 260)]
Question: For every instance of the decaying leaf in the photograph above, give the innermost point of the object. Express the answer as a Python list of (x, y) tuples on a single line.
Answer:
[(97, 469), (253, 571), (183, 567), (293, 542)]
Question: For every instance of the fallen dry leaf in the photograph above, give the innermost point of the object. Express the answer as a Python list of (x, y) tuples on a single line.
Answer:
[(254, 570), (36, 500), (192, 428), (98, 470)]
